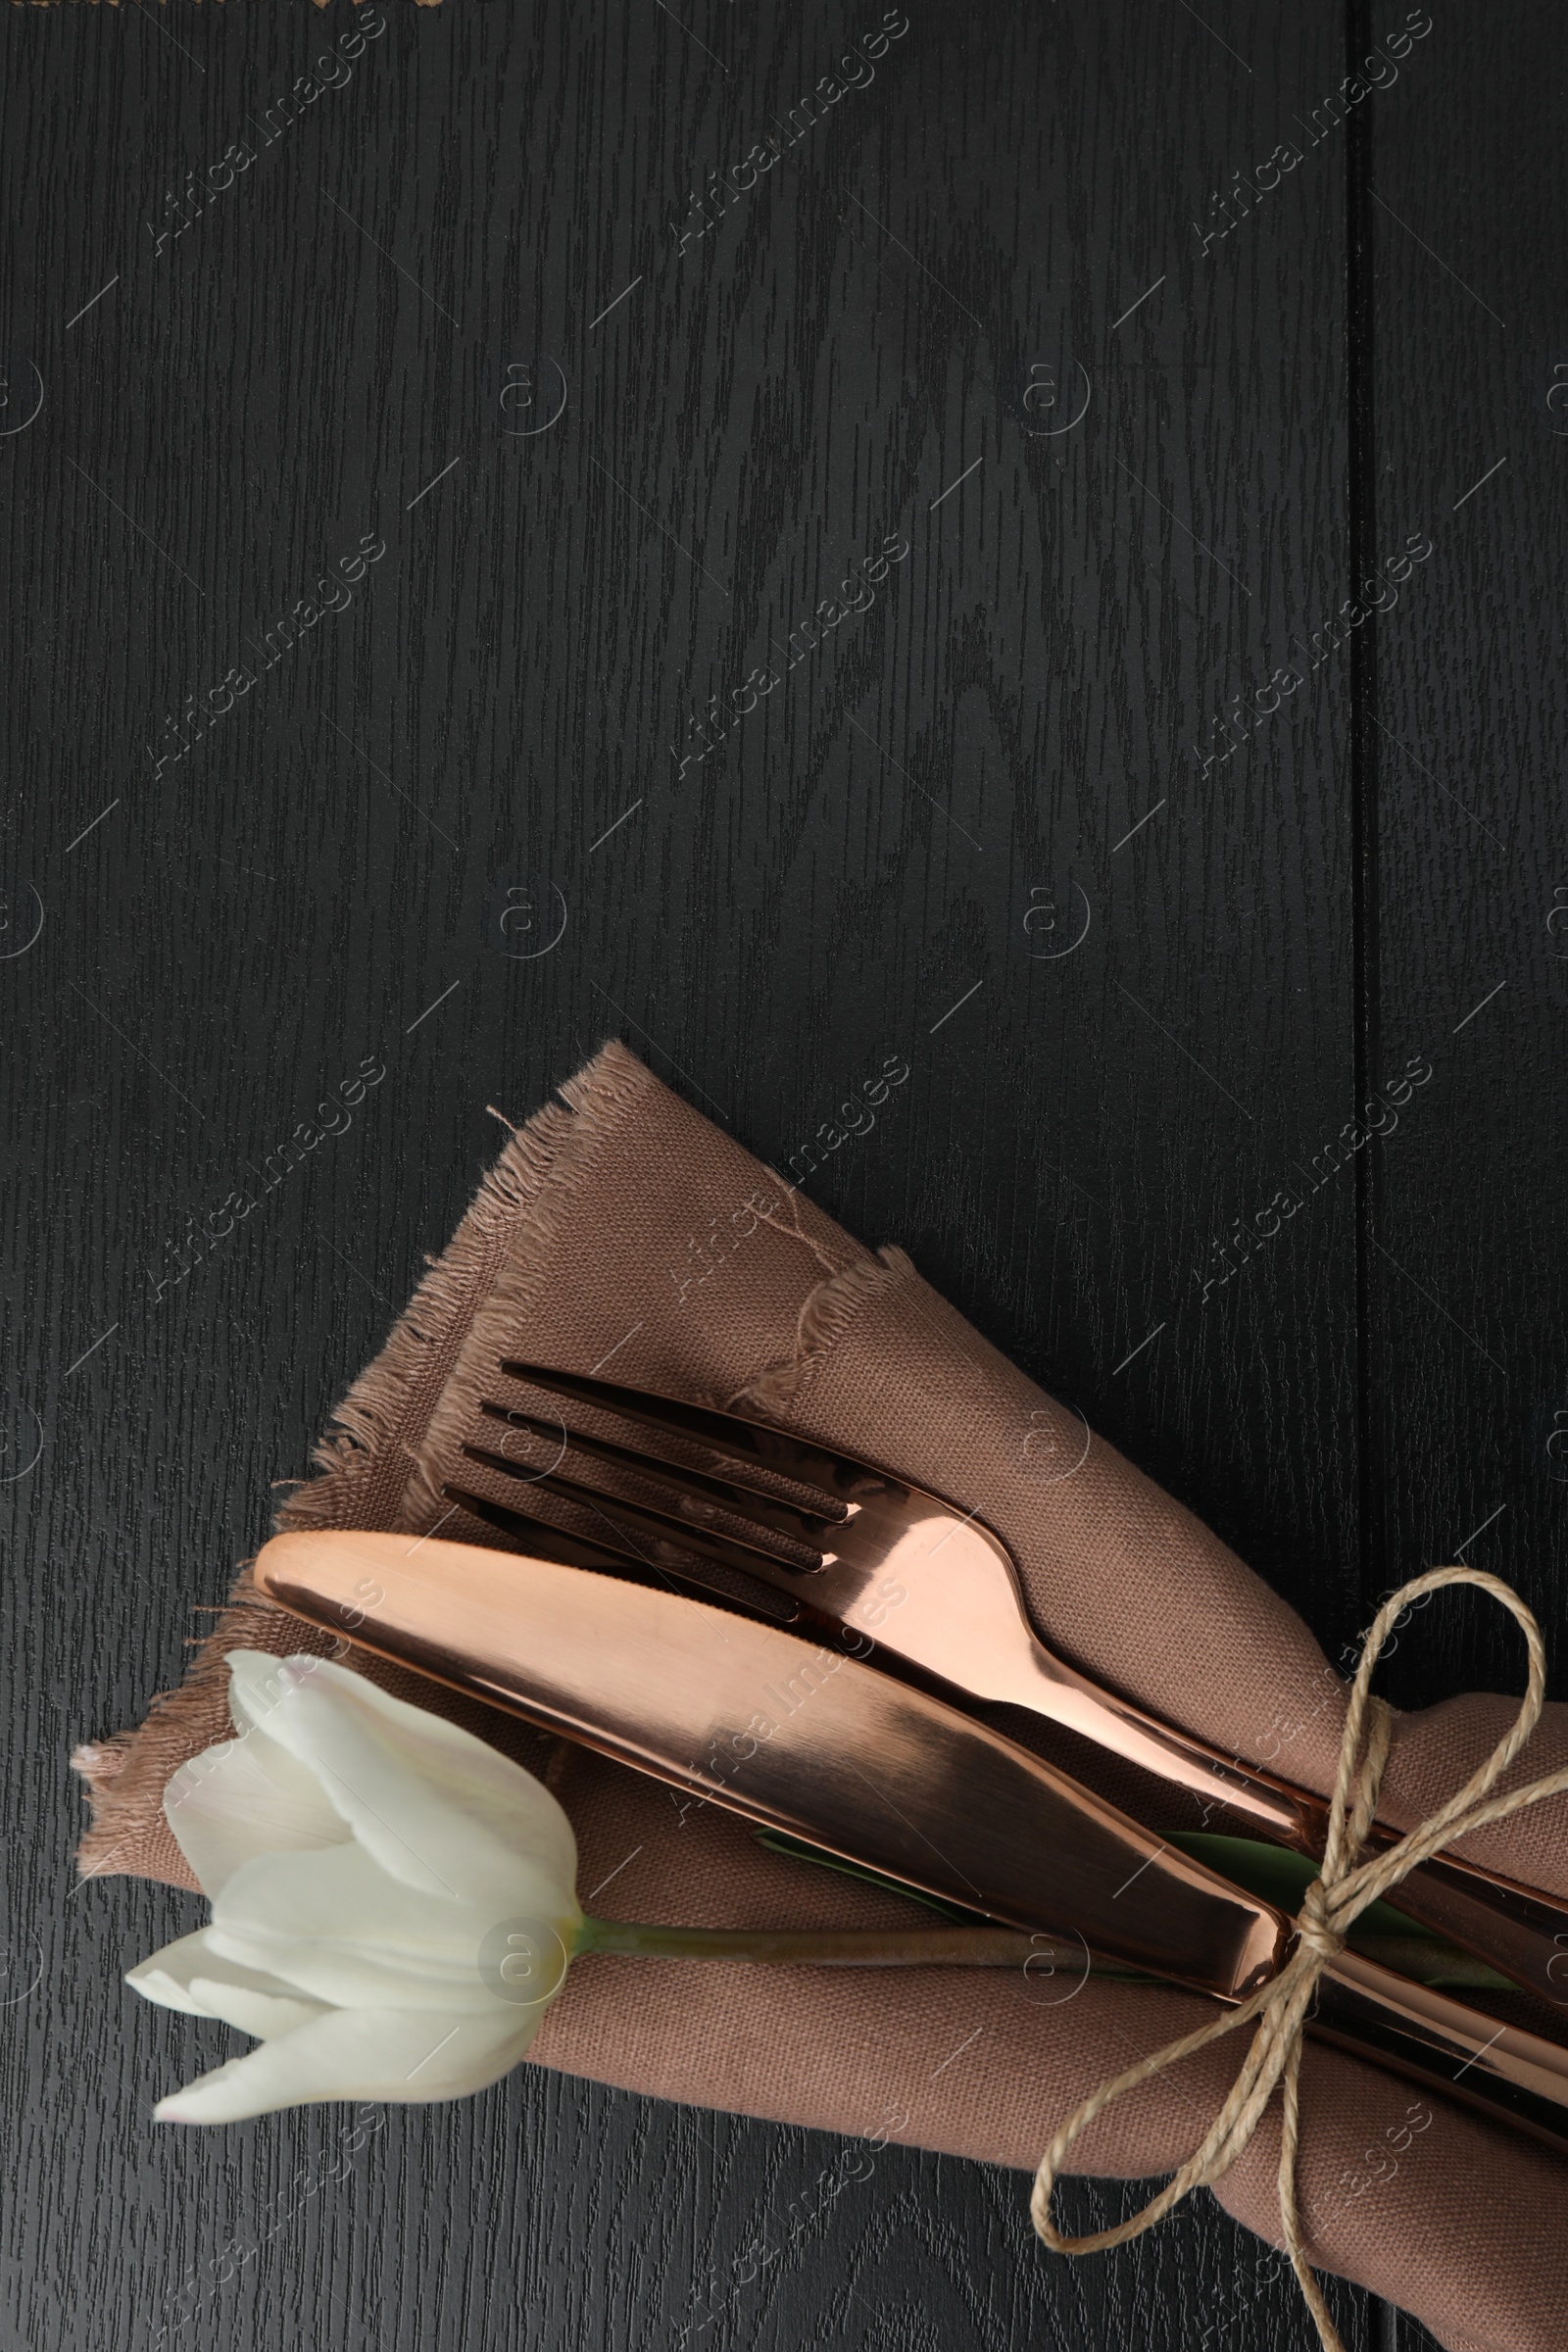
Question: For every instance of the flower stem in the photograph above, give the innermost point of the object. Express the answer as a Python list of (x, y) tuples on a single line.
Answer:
[(1422, 1958), (837, 1947)]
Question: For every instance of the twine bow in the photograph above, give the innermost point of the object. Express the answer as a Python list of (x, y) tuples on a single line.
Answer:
[(1344, 1888)]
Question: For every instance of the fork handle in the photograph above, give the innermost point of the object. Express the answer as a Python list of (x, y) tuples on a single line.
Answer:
[(1517, 1930)]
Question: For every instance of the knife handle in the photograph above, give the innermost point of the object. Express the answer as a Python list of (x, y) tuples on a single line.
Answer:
[(1511, 2076), (1515, 1928)]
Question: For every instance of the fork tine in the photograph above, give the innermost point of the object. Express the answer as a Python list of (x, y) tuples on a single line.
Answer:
[(664, 1527), (735, 1496), (543, 1539), (799, 1459), (547, 1541)]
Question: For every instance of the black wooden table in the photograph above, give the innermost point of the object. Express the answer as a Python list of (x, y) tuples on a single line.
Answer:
[(420, 426)]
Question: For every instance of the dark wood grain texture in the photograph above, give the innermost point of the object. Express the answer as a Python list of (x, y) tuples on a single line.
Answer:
[(1144, 945), (1463, 1301), (1469, 1298)]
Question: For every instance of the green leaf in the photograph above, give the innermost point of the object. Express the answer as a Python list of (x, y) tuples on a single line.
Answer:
[(1282, 1878)]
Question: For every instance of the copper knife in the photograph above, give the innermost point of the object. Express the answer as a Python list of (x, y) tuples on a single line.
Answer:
[(806, 1739)]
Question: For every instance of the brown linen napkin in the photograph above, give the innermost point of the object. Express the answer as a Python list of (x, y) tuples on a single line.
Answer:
[(621, 1230)]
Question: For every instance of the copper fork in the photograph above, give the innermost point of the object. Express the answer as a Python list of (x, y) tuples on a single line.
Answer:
[(889, 1565)]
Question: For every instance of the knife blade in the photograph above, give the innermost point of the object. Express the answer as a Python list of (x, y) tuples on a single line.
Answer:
[(802, 1739)]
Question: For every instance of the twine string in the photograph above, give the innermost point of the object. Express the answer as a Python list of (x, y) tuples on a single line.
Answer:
[(1344, 1888)]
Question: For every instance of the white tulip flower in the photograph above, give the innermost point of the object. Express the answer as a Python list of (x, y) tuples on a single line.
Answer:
[(394, 1902)]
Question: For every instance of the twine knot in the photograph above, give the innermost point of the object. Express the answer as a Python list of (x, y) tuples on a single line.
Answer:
[(1313, 1926), (1344, 1888)]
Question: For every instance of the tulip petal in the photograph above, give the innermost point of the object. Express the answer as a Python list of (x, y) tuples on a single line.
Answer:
[(440, 1809), (261, 2013), (244, 1798), (337, 1928), (359, 2054), (190, 1975)]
